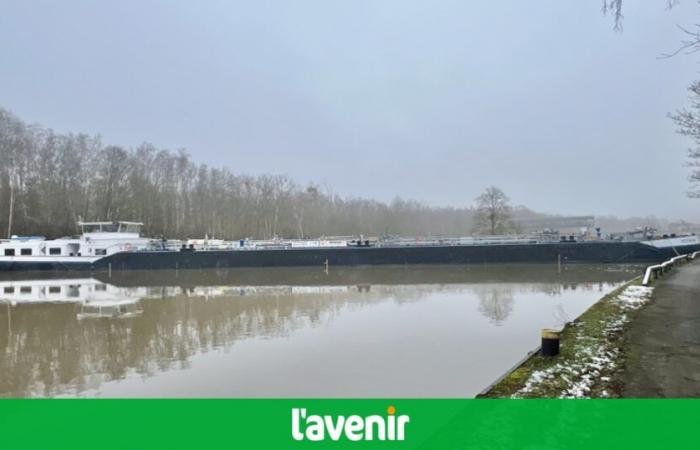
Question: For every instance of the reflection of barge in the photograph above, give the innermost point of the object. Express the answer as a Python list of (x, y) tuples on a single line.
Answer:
[(104, 246), (123, 309), (96, 299)]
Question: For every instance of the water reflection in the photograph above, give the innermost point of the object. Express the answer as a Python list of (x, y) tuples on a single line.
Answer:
[(279, 332), (495, 302)]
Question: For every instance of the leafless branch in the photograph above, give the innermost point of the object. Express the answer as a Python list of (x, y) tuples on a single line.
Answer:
[(689, 45)]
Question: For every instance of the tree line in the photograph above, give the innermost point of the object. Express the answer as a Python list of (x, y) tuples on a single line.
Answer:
[(49, 181)]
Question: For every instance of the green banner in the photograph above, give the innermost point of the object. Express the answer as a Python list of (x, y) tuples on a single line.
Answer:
[(376, 423)]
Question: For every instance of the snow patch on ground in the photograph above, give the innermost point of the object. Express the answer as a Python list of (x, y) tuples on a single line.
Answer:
[(595, 355), (634, 297)]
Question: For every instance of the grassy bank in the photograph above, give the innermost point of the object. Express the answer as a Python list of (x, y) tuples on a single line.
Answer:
[(590, 361)]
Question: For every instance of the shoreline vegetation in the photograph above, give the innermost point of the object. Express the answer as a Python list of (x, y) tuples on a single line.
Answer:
[(49, 181), (591, 359)]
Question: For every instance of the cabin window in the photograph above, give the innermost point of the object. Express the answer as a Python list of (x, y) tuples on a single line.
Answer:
[(100, 287), (26, 252), (54, 251), (9, 252), (100, 251), (54, 289), (8, 290), (25, 290)]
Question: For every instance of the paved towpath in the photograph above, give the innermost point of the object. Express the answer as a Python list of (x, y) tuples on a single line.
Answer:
[(664, 339)]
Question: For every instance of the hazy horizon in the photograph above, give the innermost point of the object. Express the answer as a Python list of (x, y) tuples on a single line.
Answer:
[(423, 101)]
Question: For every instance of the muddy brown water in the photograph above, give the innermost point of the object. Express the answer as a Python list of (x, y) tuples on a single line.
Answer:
[(356, 332)]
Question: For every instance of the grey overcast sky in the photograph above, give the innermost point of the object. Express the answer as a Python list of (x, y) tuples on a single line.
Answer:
[(432, 100)]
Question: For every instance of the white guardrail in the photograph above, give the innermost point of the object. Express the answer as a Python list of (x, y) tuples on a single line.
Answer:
[(654, 272)]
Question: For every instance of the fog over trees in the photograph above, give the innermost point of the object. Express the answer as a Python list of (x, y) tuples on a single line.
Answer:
[(48, 181)]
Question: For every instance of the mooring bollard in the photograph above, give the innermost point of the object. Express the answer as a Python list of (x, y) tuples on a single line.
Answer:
[(550, 342)]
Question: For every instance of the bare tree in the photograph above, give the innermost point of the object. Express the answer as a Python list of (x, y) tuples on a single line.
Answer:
[(690, 43), (11, 182), (49, 180), (614, 8), (493, 212), (688, 121)]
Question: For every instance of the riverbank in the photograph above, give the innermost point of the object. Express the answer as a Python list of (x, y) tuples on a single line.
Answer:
[(591, 360), (636, 341), (663, 349)]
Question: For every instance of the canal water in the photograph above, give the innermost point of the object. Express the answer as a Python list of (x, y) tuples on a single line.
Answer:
[(358, 332)]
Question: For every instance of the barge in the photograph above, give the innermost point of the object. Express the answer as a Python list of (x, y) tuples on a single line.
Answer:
[(107, 246)]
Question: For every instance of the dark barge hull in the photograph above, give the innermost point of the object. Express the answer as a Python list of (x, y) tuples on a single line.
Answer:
[(44, 266), (585, 252), (551, 253)]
